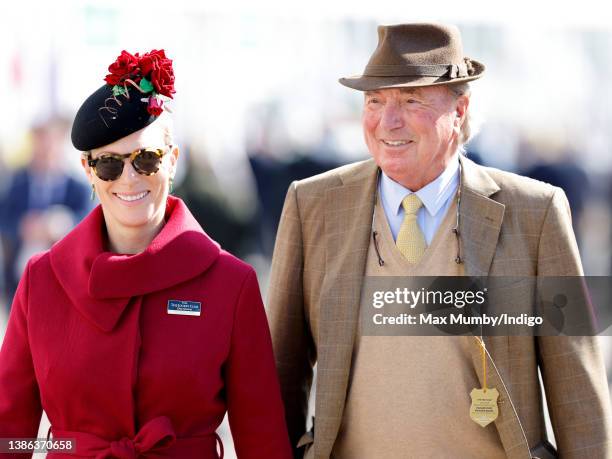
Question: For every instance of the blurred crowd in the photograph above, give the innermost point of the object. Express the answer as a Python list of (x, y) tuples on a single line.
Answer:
[(40, 202)]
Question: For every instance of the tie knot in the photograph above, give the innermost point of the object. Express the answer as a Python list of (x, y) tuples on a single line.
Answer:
[(411, 204)]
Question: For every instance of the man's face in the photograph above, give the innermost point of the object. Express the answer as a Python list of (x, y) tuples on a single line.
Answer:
[(412, 133)]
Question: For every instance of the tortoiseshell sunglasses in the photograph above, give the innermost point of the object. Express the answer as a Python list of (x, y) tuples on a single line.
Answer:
[(109, 166)]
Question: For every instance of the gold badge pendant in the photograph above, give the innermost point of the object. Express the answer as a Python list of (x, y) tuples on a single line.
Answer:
[(484, 406)]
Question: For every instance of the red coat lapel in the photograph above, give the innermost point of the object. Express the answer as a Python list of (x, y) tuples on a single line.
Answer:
[(101, 285)]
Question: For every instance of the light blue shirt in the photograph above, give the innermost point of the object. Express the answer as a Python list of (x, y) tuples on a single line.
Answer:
[(436, 197)]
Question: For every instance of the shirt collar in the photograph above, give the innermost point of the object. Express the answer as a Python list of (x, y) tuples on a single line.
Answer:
[(433, 195)]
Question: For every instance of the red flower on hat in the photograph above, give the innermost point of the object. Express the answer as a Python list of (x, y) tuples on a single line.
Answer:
[(155, 106), (150, 74), (163, 80), (126, 66), (157, 68), (150, 61)]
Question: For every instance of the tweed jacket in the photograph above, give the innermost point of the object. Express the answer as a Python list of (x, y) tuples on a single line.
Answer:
[(510, 226)]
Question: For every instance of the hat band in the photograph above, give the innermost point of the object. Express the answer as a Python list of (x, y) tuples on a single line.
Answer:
[(448, 70)]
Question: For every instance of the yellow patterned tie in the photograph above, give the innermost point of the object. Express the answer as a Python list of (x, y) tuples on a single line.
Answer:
[(410, 240)]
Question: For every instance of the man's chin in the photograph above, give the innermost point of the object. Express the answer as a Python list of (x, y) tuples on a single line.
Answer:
[(398, 168)]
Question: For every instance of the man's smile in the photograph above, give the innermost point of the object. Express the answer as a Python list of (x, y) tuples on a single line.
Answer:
[(396, 143)]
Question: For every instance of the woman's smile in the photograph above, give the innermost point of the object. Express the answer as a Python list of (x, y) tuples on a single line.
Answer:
[(132, 198)]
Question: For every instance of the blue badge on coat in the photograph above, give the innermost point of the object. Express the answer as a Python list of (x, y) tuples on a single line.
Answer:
[(184, 308)]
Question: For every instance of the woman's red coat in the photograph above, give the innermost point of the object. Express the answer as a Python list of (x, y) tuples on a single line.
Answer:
[(90, 341)]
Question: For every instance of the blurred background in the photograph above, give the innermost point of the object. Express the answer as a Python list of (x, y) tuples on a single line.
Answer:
[(258, 106)]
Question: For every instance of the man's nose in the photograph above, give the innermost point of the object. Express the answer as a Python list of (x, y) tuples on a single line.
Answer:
[(391, 117)]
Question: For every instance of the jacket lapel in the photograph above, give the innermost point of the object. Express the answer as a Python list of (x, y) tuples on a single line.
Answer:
[(348, 219), (480, 220)]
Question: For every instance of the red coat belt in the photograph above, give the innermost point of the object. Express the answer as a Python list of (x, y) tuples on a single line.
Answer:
[(155, 439)]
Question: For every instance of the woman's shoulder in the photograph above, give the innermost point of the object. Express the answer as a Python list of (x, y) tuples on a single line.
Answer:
[(38, 264), (35, 274), (228, 280), (233, 266)]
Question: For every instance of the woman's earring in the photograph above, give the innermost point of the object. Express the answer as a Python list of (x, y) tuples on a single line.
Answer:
[(171, 185), (93, 192)]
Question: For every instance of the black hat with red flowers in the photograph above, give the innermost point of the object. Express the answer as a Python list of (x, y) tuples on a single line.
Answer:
[(132, 98)]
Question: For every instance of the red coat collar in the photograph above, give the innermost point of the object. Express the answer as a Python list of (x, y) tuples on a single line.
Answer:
[(100, 284)]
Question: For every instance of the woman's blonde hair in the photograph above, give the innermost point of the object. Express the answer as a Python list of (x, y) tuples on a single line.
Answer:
[(166, 123)]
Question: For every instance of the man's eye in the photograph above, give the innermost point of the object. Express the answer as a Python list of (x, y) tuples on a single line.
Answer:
[(373, 100)]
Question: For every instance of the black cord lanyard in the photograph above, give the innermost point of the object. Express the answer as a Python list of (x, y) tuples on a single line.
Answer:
[(455, 229)]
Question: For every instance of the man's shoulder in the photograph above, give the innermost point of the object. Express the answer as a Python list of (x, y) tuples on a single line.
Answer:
[(518, 189), (318, 184)]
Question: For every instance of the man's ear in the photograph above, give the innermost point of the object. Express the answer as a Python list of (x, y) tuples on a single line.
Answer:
[(461, 105)]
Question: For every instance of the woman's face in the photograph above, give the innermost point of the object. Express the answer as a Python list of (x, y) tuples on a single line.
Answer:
[(135, 201)]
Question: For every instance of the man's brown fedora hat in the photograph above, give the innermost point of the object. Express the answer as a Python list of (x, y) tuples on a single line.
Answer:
[(416, 55)]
